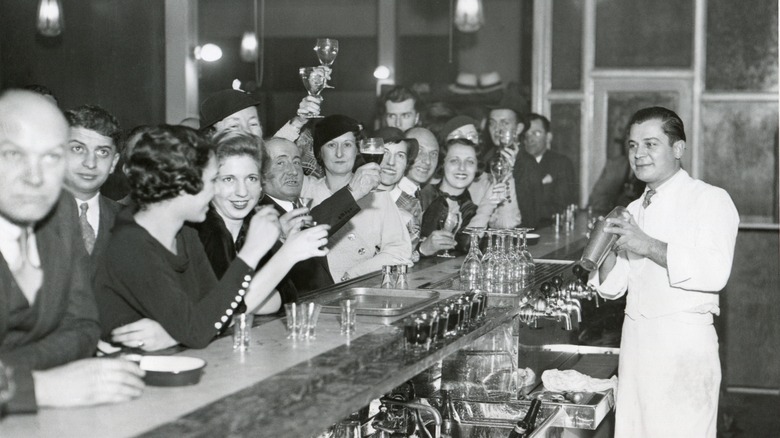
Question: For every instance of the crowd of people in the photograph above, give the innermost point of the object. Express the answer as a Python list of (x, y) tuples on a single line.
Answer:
[(210, 222), (223, 220)]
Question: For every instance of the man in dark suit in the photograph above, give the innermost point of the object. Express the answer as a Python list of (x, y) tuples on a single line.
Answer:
[(91, 156), (48, 317), (544, 178), (282, 178)]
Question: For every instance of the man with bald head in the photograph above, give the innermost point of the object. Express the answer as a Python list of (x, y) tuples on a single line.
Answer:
[(283, 179), (48, 316)]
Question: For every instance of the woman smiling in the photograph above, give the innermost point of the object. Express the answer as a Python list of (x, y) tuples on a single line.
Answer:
[(375, 236)]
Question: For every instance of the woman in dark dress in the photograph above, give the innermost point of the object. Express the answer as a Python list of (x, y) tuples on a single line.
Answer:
[(460, 167), (237, 191), (155, 273)]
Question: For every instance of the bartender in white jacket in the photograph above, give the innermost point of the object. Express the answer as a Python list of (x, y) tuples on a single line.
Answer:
[(673, 256)]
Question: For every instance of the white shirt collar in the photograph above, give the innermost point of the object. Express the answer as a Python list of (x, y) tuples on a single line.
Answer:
[(286, 205), (669, 183), (408, 186), (9, 244), (395, 193)]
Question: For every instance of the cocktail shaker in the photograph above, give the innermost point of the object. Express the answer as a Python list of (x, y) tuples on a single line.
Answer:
[(601, 242)]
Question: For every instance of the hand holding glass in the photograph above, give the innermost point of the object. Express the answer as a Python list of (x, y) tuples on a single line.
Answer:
[(314, 79), (450, 223)]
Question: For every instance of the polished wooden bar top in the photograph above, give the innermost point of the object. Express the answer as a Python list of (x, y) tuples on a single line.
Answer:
[(282, 387)]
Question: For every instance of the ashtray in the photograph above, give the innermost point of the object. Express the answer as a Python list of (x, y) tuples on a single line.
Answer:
[(172, 370), (532, 238)]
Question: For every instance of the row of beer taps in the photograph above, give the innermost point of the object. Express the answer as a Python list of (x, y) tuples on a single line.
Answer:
[(558, 300)]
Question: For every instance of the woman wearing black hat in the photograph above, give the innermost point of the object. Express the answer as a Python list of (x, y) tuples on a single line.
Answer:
[(374, 237)]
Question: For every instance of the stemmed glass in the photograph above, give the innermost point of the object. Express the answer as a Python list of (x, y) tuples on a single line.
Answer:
[(471, 269), (487, 273), (500, 265), (501, 168), (306, 202), (528, 267), (515, 261), (314, 79), (450, 223), (326, 50)]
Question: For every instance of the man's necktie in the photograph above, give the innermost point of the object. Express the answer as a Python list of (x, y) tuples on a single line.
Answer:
[(87, 232), (297, 204), (648, 195), (28, 276)]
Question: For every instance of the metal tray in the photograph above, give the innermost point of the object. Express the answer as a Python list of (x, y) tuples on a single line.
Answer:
[(374, 301)]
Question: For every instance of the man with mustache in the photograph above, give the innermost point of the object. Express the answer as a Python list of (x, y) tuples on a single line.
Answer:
[(282, 180), (400, 154)]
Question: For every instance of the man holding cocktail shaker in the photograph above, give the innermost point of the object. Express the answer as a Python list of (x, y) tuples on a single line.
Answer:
[(673, 255)]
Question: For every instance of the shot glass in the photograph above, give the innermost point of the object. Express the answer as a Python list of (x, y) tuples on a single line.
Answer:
[(242, 329), (348, 313), (309, 313), (293, 321)]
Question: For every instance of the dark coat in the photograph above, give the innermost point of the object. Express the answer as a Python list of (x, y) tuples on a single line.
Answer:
[(538, 200), (314, 273), (65, 324)]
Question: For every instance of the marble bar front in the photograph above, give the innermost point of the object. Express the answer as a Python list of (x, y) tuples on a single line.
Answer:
[(283, 387)]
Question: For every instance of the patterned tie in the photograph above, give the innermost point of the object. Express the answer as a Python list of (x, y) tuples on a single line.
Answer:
[(649, 194), (29, 276), (87, 232)]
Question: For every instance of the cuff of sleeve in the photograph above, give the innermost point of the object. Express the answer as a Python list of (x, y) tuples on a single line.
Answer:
[(678, 264), (24, 399)]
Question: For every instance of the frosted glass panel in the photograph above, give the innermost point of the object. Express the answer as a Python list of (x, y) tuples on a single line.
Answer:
[(741, 45), (739, 151), (641, 33)]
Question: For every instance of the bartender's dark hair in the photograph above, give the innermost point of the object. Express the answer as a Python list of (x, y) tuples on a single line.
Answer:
[(671, 123)]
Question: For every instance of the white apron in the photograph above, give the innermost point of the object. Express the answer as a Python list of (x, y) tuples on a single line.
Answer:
[(669, 377)]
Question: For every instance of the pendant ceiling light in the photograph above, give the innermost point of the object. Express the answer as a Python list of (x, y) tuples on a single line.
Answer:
[(469, 15), (50, 22), (249, 47)]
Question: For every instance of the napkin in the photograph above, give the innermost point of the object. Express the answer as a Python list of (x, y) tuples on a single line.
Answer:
[(572, 380)]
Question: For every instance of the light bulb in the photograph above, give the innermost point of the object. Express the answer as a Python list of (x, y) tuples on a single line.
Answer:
[(209, 52), (382, 72), (50, 22), (249, 47)]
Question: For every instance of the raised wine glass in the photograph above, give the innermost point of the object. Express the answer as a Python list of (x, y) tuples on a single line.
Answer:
[(449, 223), (326, 50), (314, 79), (372, 150)]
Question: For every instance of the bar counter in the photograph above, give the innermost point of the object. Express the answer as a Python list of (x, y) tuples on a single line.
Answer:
[(282, 387)]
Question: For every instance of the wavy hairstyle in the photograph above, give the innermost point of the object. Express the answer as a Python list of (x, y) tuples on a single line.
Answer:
[(238, 144), (167, 160)]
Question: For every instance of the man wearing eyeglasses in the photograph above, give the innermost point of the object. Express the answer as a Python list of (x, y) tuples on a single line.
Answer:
[(545, 178), (400, 108)]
